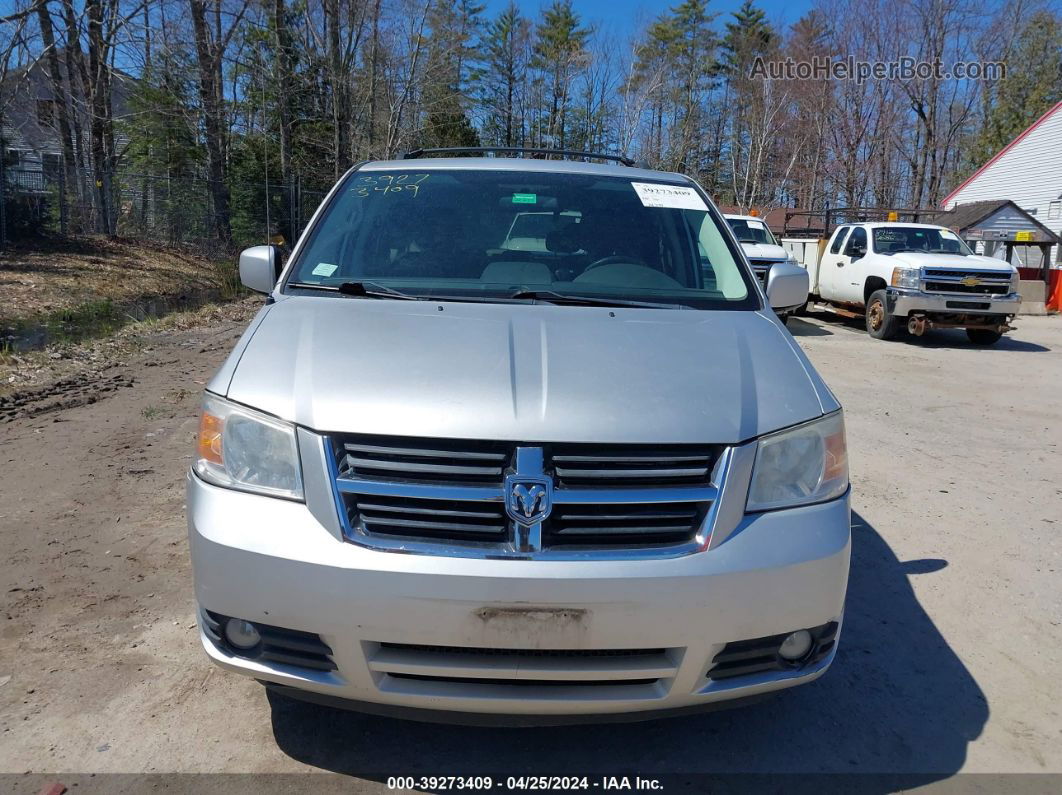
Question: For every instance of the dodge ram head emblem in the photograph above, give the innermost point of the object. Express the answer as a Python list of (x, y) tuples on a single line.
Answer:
[(527, 499), (970, 281)]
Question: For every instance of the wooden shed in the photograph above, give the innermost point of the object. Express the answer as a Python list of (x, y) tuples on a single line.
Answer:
[(1002, 229)]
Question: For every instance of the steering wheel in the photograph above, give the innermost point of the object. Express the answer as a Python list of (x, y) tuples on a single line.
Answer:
[(614, 259)]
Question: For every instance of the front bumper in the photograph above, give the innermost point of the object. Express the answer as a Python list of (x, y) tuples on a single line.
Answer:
[(902, 303), (270, 561)]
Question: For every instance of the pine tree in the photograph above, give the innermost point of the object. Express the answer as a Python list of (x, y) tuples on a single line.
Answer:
[(747, 35), (454, 24), (559, 51), (503, 73), (1032, 86)]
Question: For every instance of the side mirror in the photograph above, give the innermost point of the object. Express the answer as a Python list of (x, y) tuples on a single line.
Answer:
[(787, 285), (258, 268)]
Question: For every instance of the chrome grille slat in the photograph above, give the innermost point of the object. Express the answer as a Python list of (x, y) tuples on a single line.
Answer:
[(619, 530), (612, 517), (633, 473), (412, 466), (604, 496), (637, 459), (422, 491), (368, 507), (422, 453), (455, 527)]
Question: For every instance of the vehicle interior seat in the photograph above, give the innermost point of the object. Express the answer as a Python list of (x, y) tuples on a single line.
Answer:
[(430, 250), (563, 243)]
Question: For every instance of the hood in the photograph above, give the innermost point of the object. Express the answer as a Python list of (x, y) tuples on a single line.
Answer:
[(525, 372), (915, 259), (764, 251)]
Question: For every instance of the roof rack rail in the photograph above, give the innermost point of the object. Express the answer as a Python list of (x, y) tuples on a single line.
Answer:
[(825, 221), (482, 150)]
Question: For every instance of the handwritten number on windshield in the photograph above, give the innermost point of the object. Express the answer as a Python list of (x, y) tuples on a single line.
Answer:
[(389, 183)]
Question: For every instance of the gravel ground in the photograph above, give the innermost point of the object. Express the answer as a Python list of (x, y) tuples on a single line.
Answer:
[(949, 662)]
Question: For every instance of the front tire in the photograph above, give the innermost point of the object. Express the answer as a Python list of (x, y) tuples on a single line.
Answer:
[(880, 324), (983, 336)]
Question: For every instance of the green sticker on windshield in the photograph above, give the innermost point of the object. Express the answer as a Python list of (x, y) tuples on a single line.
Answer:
[(525, 198)]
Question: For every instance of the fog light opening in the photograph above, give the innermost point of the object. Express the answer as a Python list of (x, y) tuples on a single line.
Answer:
[(796, 646), (241, 634)]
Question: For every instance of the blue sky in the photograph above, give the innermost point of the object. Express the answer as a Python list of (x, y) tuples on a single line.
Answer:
[(624, 16)]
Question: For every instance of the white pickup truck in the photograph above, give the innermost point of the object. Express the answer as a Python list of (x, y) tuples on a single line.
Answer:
[(761, 248), (917, 276)]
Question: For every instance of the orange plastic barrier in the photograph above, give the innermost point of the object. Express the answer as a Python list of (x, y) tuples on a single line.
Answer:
[(1054, 289)]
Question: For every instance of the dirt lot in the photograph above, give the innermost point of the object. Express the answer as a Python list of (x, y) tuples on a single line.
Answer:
[(949, 662)]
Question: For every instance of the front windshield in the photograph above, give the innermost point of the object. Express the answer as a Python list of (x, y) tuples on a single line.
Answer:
[(894, 239), (751, 231), (448, 233)]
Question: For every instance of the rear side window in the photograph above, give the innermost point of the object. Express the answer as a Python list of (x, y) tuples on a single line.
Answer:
[(838, 239)]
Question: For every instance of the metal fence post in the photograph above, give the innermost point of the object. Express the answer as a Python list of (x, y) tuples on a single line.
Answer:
[(62, 197), (3, 197)]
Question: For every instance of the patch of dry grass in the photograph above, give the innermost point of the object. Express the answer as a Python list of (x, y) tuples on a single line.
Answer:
[(45, 278)]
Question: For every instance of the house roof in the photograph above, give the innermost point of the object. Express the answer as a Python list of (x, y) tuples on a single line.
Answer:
[(967, 216), (31, 84), (1057, 108)]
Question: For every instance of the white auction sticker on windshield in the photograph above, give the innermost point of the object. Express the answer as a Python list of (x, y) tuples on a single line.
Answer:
[(676, 197)]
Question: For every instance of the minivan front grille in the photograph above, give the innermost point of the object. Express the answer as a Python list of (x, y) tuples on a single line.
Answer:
[(461, 497)]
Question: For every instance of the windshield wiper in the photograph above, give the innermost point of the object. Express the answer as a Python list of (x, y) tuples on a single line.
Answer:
[(373, 290), (549, 296), (361, 289)]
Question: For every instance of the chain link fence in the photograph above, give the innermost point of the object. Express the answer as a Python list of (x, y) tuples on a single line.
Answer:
[(175, 211)]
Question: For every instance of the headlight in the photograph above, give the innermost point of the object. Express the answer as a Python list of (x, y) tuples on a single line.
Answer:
[(801, 465), (242, 449), (906, 277), (1015, 282)]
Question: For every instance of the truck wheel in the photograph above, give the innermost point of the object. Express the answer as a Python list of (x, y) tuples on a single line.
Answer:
[(983, 336), (880, 324)]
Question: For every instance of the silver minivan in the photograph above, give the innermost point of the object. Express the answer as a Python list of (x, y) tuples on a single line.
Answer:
[(520, 438)]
